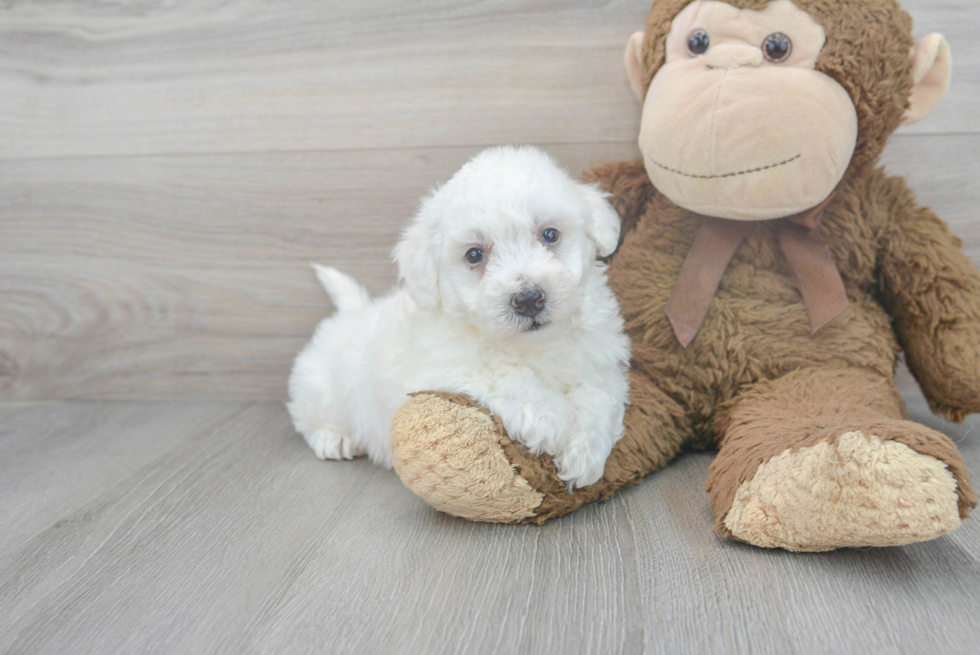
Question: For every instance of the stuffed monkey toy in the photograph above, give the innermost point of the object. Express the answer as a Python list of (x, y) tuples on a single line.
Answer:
[(770, 274)]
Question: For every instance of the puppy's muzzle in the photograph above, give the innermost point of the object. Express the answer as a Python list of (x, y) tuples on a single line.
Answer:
[(528, 303)]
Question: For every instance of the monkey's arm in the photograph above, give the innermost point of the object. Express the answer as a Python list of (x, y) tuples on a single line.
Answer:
[(630, 187), (933, 292)]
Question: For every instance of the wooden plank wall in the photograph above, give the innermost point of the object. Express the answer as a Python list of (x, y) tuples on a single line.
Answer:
[(167, 170)]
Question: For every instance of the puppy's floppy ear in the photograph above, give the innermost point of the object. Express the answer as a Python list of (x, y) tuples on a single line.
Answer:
[(415, 258), (603, 225)]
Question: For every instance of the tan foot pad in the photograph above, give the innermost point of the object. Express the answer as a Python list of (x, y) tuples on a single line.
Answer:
[(858, 492), (448, 451)]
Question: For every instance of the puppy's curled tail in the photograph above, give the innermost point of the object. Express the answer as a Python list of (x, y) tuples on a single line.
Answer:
[(345, 292)]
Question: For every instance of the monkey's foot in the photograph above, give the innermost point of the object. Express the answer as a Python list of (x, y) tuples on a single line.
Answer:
[(859, 491), (457, 457)]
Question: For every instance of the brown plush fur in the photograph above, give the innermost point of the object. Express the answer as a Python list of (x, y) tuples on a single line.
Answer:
[(803, 408), (901, 268), (650, 442), (755, 382), (871, 64)]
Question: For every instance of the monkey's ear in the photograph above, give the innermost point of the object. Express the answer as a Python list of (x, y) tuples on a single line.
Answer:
[(415, 257), (634, 64), (932, 68), (604, 223)]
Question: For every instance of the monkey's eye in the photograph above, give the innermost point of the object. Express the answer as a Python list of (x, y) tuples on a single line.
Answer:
[(777, 47), (474, 256), (550, 235), (698, 42)]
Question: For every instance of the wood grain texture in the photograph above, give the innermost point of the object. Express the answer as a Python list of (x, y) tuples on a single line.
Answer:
[(126, 272), (189, 276), (52, 462), (229, 536), (115, 78), (167, 170), (161, 277)]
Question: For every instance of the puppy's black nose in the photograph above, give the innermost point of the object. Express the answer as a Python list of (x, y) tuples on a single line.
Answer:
[(528, 303)]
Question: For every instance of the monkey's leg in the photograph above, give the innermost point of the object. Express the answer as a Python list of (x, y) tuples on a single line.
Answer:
[(824, 459), (456, 456)]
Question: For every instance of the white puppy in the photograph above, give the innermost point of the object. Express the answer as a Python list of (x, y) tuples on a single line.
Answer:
[(503, 300)]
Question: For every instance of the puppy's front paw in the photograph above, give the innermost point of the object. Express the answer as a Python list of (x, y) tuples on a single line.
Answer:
[(582, 462), (331, 443), (538, 422)]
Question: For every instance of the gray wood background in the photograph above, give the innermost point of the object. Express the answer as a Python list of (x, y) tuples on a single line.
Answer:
[(167, 171), (209, 527)]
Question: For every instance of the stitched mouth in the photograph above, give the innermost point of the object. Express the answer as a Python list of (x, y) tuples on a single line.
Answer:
[(718, 177)]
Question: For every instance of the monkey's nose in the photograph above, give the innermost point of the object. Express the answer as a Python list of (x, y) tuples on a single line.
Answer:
[(528, 303), (732, 55)]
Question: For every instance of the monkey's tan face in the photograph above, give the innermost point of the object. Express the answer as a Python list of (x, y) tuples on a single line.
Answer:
[(738, 123)]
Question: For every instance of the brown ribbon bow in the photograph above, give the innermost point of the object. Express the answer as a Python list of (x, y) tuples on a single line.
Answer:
[(712, 251)]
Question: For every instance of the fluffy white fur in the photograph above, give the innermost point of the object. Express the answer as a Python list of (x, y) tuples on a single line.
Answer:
[(557, 380)]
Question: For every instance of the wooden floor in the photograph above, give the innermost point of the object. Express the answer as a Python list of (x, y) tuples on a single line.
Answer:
[(168, 170), (210, 527)]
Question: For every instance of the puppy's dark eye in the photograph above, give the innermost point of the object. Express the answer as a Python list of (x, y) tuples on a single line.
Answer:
[(550, 235), (698, 42), (474, 256), (777, 47)]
